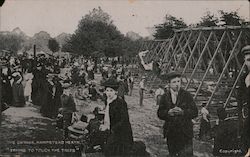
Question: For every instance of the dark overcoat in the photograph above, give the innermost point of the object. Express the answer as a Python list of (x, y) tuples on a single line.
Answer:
[(39, 87), (18, 94), (121, 137), (182, 123), (57, 96), (178, 129), (243, 96), (47, 105), (6, 90)]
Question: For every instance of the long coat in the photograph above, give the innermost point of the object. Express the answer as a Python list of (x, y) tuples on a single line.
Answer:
[(57, 96), (178, 129), (6, 90), (47, 105), (121, 137), (39, 87), (243, 96), (18, 95)]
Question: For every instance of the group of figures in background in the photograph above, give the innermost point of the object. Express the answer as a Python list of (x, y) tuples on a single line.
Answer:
[(110, 129)]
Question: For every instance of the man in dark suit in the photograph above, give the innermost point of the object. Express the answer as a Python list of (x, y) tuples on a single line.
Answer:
[(244, 99), (177, 108)]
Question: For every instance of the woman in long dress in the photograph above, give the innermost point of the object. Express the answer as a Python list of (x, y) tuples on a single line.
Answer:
[(17, 90), (28, 89), (116, 120), (6, 86), (39, 86)]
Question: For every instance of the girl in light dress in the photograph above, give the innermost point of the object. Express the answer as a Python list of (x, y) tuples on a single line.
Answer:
[(28, 88)]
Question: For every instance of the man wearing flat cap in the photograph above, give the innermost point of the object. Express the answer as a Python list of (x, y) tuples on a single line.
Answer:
[(244, 99), (177, 108)]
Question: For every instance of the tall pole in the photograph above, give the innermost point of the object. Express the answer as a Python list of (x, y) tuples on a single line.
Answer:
[(34, 55), (0, 20), (0, 78), (0, 95)]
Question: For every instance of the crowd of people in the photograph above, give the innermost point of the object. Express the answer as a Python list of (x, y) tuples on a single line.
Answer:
[(43, 83)]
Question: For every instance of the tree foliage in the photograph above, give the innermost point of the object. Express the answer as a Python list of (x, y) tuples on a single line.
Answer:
[(225, 18), (11, 42), (231, 18), (166, 29), (208, 20), (53, 45), (96, 33)]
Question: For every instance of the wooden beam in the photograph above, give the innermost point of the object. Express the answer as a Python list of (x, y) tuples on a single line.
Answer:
[(183, 50), (210, 55), (197, 63), (224, 69), (234, 85), (161, 53), (174, 52), (235, 56), (210, 63), (213, 28), (192, 53), (199, 50), (222, 56), (168, 52)]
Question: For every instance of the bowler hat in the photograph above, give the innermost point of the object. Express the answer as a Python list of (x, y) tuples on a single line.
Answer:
[(111, 83), (170, 75), (246, 50)]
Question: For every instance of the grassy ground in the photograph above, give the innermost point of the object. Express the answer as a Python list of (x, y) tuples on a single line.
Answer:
[(26, 124)]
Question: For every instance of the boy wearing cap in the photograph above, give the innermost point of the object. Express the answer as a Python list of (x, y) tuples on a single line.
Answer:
[(177, 108), (244, 99)]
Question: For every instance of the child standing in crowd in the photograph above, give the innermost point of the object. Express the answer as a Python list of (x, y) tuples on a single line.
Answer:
[(68, 107), (28, 89), (205, 122), (93, 92), (130, 83), (122, 87), (158, 93), (141, 90)]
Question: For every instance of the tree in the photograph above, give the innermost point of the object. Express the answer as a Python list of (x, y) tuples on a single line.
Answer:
[(231, 18), (208, 20), (11, 42), (53, 45), (95, 33), (166, 29)]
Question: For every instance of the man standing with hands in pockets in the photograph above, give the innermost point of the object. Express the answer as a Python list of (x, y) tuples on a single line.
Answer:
[(177, 108)]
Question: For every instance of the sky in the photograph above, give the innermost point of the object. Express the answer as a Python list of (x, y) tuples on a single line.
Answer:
[(57, 16)]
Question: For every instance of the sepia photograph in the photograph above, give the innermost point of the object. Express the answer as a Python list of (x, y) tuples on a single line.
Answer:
[(126, 78)]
